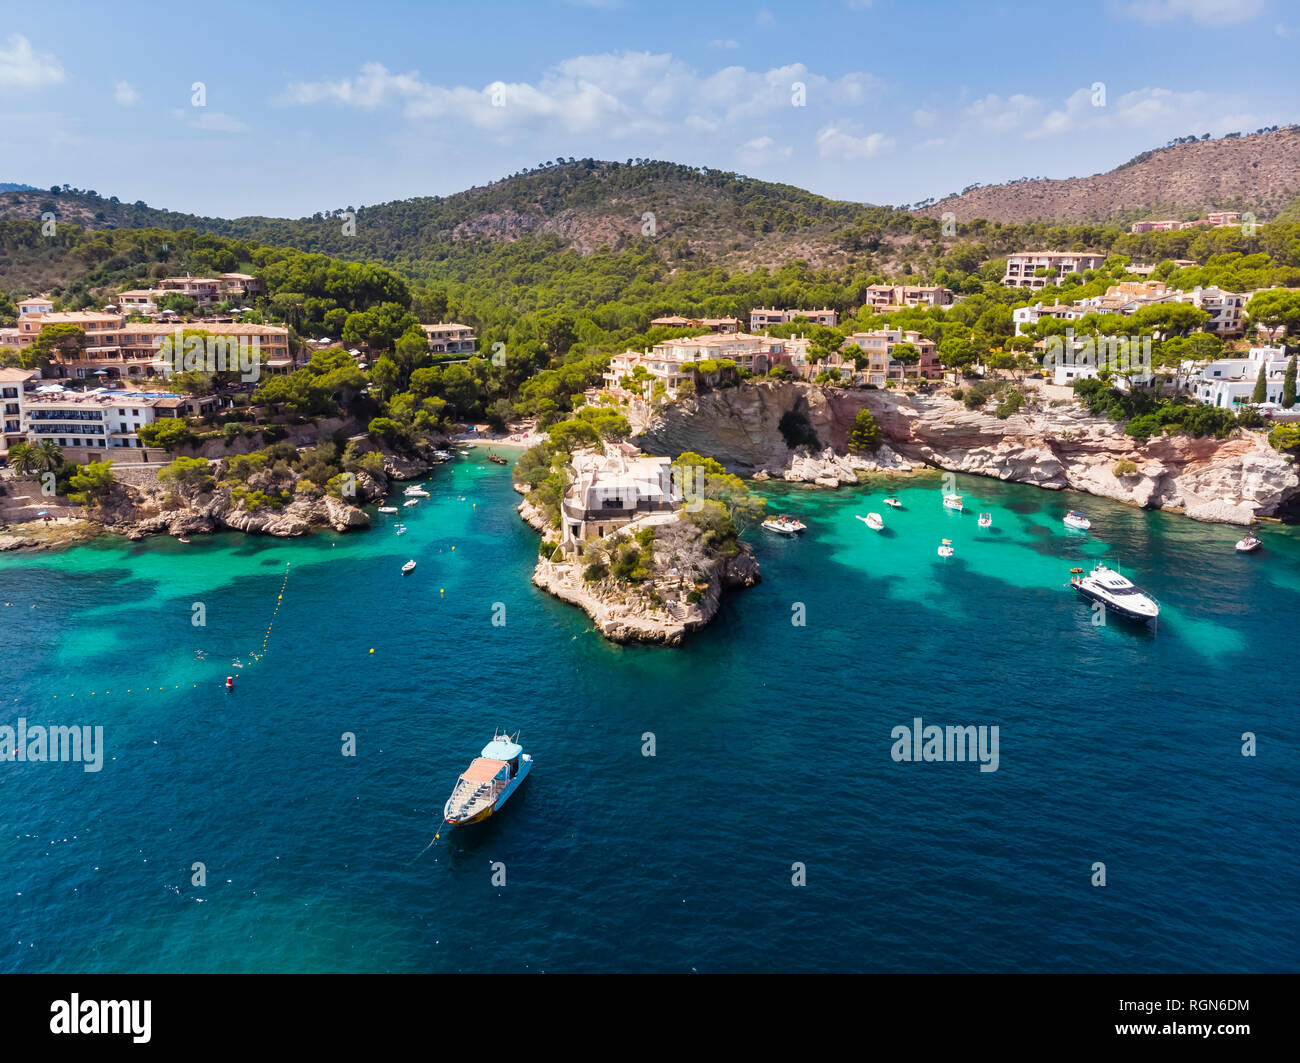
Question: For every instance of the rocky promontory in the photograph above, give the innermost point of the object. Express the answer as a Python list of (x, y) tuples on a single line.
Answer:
[(1053, 444), (682, 595)]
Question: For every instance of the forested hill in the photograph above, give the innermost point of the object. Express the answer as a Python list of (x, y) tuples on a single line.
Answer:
[(1259, 172), (587, 204)]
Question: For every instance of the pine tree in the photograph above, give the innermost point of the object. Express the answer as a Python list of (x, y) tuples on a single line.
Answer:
[(1261, 385), (1288, 384)]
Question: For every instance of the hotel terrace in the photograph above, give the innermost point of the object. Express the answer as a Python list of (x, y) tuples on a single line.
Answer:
[(675, 361), (765, 317), (118, 348), (86, 425)]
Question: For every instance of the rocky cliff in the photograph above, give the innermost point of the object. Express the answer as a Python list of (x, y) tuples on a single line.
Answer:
[(1050, 444), (682, 595)]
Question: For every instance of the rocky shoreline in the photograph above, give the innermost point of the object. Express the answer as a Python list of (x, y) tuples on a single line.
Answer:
[(143, 507), (625, 614), (1055, 445)]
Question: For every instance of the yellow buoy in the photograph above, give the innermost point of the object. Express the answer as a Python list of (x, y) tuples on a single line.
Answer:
[(372, 649)]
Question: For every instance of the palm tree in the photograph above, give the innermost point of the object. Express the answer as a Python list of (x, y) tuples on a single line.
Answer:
[(47, 456), (22, 457)]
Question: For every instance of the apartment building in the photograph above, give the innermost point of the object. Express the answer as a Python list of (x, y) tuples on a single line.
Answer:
[(35, 305), (765, 317), (1031, 315), (1226, 309), (450, 338), (15, 384), (1023, 267), (1216, 219), (1231, 381), (116, 347), (97, 425), (883, 367), (721, 325), (675, 361), (886, 298)]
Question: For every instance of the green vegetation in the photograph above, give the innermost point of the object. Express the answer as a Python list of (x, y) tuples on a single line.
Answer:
[(91, 484), (865, 435), (1149, 414)]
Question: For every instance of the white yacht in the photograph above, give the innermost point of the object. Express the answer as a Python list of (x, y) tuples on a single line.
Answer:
[(945, 548), (872, 521), (986, 520), (416, 490), (1075, 519), (408, 567), (387, 509), (954, 502), (1116, 592)]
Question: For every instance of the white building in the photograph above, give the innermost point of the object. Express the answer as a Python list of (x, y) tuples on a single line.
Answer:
[(1031, 315), (1231, 381), (1023, 267), (15, 386), (611, 488), (96, 425), (676, 361)]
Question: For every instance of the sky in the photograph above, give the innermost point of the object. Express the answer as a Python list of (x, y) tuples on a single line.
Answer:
[(286, 108)]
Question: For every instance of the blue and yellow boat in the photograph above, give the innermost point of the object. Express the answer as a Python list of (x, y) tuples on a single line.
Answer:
[(488, 782)]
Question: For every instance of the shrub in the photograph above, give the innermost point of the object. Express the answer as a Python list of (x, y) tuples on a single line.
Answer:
[(1124, 468)]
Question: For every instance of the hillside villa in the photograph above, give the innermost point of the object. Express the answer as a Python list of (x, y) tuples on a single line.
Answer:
[(765, 317), (611, 487)]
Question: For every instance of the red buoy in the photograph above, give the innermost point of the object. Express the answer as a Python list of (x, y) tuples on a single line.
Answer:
[(230, 682)]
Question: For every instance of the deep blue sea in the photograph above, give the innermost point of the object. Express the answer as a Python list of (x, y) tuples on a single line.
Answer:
[(1118, 746)]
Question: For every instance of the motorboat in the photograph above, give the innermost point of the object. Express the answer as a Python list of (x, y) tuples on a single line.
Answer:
[(784, 525), (872, 521), (485, 786), (411, 502), (986, 520), (400, 529), (408, 567), (387, 509), (945, 548), (1076, 520), (1249, 544), (953, 502), (1116, 592), (416, 490), (893, 502)]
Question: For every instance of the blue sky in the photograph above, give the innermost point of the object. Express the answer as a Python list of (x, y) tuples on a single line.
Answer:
[(311, 107)]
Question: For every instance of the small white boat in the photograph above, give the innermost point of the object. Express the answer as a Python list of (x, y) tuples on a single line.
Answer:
[(1249, 544), (953, 502), (442, 455), (784, 525), (872, 521), (401, 529), (986, 520), (408, 567), (1075, 519), (387, 509), (945, 548), (411, 502), (893, 503), (416, 490)]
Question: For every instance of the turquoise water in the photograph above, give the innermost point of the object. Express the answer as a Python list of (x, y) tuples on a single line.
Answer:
[(1117, 745)]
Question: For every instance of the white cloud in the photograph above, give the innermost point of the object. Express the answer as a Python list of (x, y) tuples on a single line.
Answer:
[(125, 94), (723, 46), (1204, 12), (837, 143), (924, 118), (620, 94), (761, 150), (209, 121), (1004, 115), (22, 67)]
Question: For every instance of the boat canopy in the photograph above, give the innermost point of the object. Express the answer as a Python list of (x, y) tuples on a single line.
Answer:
[(482, 770), (502, 749)]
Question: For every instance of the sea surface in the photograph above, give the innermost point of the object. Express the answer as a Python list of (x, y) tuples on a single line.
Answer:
[(771, 730)]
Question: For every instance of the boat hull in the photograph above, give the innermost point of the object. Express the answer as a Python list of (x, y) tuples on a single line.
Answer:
[(525, 765), (1118, 610)]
